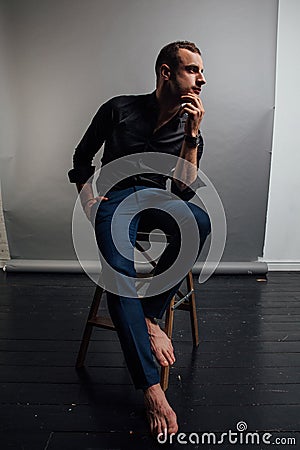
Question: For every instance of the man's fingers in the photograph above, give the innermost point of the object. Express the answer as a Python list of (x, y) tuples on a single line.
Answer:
[(188, 107), (192, 98), (195, 111), (191, 109)]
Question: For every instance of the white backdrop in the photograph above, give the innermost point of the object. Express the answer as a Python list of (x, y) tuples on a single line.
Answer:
[(282, 247), (63, 58), (4, 252)]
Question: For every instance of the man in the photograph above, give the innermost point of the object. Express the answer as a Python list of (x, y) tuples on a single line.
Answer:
[(165, 121)]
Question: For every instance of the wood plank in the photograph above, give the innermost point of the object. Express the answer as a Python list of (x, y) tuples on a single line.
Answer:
[(112, 345), (25, 441), (116, 359), (204, 394), (134, 441), (116, 375), (116, 416)]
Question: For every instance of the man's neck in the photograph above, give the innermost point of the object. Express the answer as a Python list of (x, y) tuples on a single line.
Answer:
[(167, 105)]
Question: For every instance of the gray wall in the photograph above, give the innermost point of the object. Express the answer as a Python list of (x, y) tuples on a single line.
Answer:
[(63, 58)]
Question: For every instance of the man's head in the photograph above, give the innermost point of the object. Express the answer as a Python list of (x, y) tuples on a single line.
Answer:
[(179, 70), (169, 55)]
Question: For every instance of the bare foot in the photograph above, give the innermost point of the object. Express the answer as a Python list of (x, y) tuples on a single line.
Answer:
[(161, 345), (160, 415)]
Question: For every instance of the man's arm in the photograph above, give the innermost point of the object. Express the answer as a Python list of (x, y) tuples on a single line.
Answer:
[(84, 153), (189, 150)]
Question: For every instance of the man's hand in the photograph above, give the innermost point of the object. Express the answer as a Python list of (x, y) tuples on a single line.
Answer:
[(89, 203), (192, 105)]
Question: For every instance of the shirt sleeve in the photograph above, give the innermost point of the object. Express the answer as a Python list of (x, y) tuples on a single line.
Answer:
[(98, 131), (189, 192)]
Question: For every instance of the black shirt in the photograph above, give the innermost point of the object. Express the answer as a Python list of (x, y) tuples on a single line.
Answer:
[(126, 124)]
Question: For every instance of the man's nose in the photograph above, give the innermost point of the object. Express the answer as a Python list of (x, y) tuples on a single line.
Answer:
[(201, 79)]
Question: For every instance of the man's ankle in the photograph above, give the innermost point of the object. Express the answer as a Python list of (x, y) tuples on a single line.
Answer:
[(153, 388), (152, 320)]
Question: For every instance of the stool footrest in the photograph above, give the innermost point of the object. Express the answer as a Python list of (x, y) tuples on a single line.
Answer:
[(184, 307), (183, 299), (102, 322)]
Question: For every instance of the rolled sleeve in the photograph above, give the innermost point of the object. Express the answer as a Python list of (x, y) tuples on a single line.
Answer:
[(90, 144), (81, 175)]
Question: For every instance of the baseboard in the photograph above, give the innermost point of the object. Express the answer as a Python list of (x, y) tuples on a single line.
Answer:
[(43, 265), (2, 263), (283, 266), (235, 268), (72, 266)]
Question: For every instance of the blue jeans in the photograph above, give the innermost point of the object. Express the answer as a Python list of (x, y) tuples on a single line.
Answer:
[(128, 313)]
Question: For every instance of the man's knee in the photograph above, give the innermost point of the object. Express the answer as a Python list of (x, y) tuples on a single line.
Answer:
[(202, 219), (121, 265), (204, 224)]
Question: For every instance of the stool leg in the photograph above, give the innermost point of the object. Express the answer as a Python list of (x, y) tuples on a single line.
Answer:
[(193, 312), (165, 371), (89, 327)]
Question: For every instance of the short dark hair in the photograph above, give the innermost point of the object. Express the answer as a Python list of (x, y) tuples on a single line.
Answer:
[(169, 54)]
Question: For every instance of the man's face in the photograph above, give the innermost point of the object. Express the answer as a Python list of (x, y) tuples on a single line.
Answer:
[(189, 77)]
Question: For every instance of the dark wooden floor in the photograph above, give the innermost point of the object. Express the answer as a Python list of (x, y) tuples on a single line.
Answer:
[(247, 367)]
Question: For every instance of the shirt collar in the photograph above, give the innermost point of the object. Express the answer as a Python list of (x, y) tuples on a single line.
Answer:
[(153, 103), (154, 107)]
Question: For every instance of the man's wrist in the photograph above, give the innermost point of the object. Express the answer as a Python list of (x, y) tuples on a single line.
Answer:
[(192, 141), (87, 202), (193, 133), (153, 320)]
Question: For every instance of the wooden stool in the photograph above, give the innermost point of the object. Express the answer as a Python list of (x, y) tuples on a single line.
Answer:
[(182, 301)]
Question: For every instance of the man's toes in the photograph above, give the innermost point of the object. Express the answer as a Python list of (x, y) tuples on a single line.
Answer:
[(170, 351), (169, 356), (173, 429), (161, 426), (172, 423), (163, 361)]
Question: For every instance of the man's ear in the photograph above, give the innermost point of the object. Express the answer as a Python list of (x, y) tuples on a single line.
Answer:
[(165, 72)]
